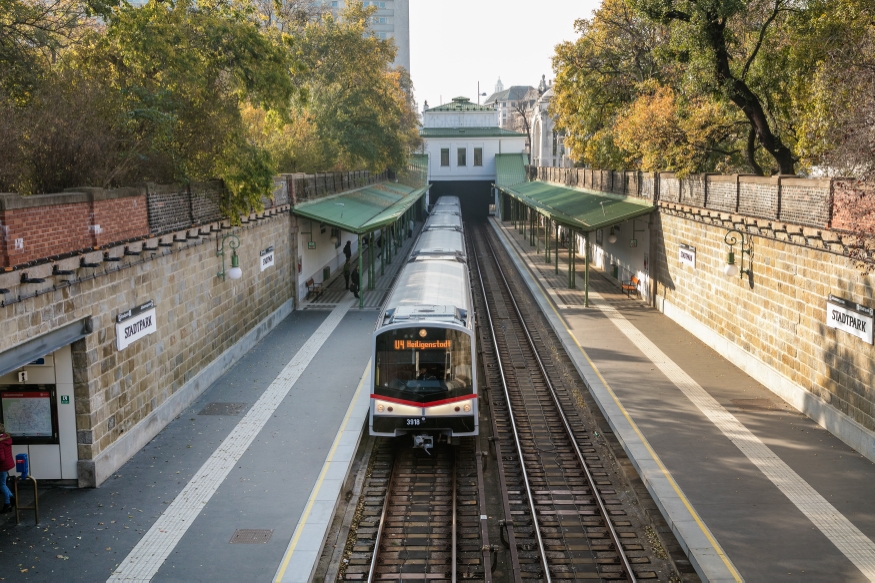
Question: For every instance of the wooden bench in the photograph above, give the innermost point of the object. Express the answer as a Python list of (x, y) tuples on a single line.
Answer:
[(631, 286), (313, 289)]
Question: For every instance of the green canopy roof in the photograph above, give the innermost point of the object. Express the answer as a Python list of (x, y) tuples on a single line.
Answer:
[(364, 210), (577, 208), (510, 169)]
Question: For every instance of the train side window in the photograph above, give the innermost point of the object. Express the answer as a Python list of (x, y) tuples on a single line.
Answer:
[(445, 156)]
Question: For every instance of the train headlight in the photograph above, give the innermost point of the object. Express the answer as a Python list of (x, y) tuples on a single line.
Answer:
[(380, 408), (467, 407)]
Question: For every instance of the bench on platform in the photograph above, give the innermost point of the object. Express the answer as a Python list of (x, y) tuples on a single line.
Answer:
[(314, 289), (631, 286)]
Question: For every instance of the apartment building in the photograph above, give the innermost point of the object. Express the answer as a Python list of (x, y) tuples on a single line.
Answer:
[(392, 20)]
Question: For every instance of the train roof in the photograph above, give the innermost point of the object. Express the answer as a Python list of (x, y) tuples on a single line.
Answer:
[(440, 242), (447, 201), (444, 221), (431, 289)]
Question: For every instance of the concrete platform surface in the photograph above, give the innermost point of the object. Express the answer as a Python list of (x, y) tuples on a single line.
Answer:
[(754, 489), (85, 535)]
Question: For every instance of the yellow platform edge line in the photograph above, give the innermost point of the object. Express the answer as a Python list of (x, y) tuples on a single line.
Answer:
[(705, 530), (306, 514)]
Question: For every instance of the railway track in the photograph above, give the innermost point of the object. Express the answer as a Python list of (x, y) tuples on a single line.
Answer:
[(420, 518), (563, 518)]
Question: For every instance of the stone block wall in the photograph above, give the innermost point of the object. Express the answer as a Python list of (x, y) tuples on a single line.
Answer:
[(781, 319), (199, 316)]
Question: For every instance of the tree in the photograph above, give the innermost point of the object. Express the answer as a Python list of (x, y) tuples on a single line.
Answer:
[(598, 76), (34, 32), (355, 110), (738, 48)]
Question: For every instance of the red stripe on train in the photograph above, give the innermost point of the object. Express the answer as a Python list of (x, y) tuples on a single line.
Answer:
[(423, 405)]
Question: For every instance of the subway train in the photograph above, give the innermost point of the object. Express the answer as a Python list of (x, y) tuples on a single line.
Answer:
[(424, 374)]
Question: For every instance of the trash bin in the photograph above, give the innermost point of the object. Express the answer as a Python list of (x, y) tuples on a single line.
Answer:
[(326, 273), (21, 465), (615, 271)]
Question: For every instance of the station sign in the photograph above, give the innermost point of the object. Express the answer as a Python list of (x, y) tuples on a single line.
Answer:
[(267, 258), (850, 317), (134, 324), (687, 255)]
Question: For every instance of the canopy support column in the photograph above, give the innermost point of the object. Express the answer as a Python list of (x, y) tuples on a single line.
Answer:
[(361, 292), (547, 224), (586, 272), (557, 249), (383, 251)]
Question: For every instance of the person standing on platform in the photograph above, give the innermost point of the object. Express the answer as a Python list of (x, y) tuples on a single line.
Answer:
[(346, 273), (347, 250), (354, 287), (7, 462), (410, 228)]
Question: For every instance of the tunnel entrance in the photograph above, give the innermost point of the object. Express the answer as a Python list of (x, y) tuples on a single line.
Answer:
[(475, 195)]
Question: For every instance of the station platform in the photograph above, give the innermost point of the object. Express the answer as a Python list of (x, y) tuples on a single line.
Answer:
[(753, 489), (243, 485)]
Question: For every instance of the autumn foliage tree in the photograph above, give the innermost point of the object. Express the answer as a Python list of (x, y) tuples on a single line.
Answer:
[(185, 90), (761, 86)]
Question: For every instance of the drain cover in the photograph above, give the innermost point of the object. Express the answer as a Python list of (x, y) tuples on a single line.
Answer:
[(251, 536), (224, 409)]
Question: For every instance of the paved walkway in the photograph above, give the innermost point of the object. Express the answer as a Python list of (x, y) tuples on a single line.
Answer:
[(756, 490)]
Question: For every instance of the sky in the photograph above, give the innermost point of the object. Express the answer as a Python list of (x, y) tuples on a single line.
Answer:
[(456, 43)]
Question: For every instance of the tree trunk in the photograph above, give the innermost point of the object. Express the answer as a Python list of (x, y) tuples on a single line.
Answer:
[(750, 153), (742, 96)]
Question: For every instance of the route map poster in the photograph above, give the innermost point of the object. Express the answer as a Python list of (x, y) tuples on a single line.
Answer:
[(28, 413)]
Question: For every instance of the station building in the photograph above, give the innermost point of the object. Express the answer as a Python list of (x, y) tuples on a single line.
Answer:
[(462, 141)]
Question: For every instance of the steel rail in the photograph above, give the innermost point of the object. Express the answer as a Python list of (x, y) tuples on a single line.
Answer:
[(535, 523), (596, 494), (454, 518), (485, 547), (502, 478), (379, 536)]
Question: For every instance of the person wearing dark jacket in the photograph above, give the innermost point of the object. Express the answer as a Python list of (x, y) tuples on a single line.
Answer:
[(7, 462), (347, 250), (346, 273), (354, 279)]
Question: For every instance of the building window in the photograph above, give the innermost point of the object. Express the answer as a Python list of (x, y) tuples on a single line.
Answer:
[(478, 156), (462, 157), (445, 156)]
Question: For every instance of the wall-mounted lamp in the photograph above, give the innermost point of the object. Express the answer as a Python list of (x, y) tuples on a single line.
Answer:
[(233, 243), (735, 237), (612, 237)]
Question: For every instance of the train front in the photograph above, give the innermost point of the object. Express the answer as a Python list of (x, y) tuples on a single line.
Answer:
[(424, 377)]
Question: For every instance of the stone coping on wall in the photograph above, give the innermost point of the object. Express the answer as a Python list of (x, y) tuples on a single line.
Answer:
[(13, 201)]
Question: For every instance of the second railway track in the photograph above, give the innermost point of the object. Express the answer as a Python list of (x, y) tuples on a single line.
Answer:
[(563, 520)]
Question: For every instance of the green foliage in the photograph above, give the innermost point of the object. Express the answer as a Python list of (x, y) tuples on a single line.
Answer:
[(354, 110), (719, 85), (185, 90)]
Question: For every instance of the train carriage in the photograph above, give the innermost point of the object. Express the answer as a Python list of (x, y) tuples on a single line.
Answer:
[(443, 221), (424, 375), (446, 201)]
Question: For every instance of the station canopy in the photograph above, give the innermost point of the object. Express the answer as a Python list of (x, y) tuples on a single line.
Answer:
[(577, 208), (510, 169), (362, 210)]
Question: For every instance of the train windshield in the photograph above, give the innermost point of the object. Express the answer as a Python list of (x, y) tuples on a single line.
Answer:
[(423, 364)]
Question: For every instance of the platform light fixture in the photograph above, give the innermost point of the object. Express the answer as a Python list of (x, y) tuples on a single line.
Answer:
[(732, 238), (233, 244), (612, 237)]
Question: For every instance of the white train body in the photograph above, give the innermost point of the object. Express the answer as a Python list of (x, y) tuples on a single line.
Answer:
[(424, 374)]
